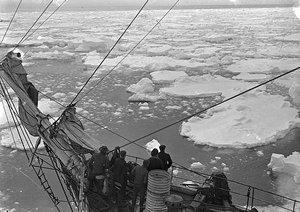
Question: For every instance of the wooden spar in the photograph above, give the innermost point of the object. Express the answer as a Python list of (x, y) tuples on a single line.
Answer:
[(59, 145)]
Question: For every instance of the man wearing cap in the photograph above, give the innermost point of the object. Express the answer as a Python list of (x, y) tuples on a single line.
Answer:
[(98, 164), (154, 161), (165, 158)]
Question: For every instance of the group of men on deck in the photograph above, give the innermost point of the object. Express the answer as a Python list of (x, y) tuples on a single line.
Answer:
[(119, 173)]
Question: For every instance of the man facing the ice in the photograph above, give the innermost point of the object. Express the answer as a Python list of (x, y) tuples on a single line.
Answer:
[(98, 164), (165, 158), (154, 161)]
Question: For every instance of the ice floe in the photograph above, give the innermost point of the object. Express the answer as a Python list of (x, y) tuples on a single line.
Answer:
[(152, 145), (247, 122), (260, 153), (52, 55), (10, 138), (159, 50), (251, 77), (144, 63), (288, 165), (167, 76), (206, 85), (145, 85), (143, 91), (205, 52), (48, 107), (89, 46), (293, 37), (216, 38), (287, 172), (197, 165), (294, 92), (6, 119), (264, 65), (289, 50)]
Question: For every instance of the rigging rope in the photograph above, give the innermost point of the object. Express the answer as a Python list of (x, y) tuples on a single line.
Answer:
[(110, 51), (16, 118), (108, 73), (11, 20), (33, 24), (44, 22), (125, 57), (90, 120), (210, 107), (10, 127)]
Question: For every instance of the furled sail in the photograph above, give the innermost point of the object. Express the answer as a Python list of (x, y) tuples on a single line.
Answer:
[(69, 128), (19, 74)]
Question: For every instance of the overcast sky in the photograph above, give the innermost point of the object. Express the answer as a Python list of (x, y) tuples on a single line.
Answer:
[(102, 4)]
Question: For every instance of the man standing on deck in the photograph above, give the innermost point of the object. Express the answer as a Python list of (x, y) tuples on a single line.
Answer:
[(119, 170), (98, 164), (140, 181), (154, 161), (165, 158)]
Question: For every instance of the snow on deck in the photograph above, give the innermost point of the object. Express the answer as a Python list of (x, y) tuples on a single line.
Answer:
[(245, 122)]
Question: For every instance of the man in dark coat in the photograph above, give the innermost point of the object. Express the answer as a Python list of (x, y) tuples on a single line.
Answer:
[(98, 164), (155, 162), (165, 158), (119, 170), (140, 174)]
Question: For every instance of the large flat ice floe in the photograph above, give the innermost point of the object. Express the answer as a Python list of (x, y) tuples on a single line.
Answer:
[(167, 76), (264, 65), (206, 85), (144, 63), (252, 120), (289, 50)]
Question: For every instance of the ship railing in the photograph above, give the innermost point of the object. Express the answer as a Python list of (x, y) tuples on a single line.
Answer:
[(252, 196)]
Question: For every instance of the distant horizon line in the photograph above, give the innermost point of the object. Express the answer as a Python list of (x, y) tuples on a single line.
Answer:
[(126, 8)]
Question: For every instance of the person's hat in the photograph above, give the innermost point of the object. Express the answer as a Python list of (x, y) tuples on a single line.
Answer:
[(103, 149), (154, 152), (162, 147), (122, 154)]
